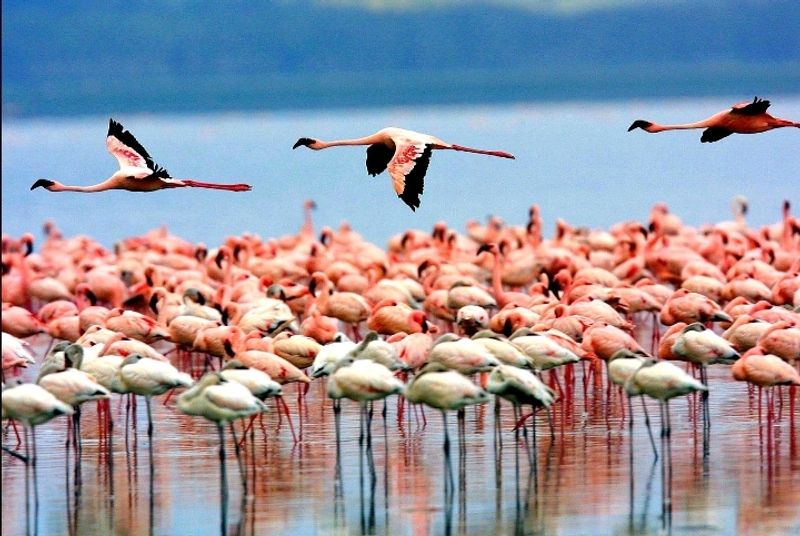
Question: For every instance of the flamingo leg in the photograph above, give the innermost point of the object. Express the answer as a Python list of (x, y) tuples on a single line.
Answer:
[(223, 480), (649, 429), (238, 451)]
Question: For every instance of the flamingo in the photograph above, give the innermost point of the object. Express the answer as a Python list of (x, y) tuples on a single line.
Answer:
[(405, 153), (330, 354), (31, 405), (520, 387), (621, 366), (221, 401), (72, 386), (149, 377), (742, 118), (16, 352), (662, 380), (445, 389), (137, 170), (361, 380), (765, 370)]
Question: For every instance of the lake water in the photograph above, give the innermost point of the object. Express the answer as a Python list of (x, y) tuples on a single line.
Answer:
[(583, 482), (576, 160)]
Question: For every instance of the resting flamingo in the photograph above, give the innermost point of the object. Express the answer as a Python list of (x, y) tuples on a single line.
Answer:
[(742, 118), (137, 170), (405, 153)]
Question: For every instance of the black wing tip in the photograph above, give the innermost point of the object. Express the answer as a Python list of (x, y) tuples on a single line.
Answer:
[(413, 204), (114, 127), (640, 123)]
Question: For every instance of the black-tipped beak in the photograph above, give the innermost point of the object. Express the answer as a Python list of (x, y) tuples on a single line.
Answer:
[(302, 141), (218, 259), (484, 247), (44, 183), (639, 124)]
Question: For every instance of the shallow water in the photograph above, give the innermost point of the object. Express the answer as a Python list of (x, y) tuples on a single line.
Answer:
[(748, 483)]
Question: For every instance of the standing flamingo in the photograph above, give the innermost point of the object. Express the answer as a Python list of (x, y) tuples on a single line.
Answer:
[(742, 118), (405, 153), (137, 170), (31, 405), (662, 380), (221, 401)]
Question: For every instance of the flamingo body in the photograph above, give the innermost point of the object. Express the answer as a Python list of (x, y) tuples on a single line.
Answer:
[(404, 153)]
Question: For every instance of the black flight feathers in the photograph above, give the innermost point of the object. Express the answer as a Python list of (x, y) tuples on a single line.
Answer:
[(758, 106), (126, 138), (379, 156), (712, 134), (415, 179)]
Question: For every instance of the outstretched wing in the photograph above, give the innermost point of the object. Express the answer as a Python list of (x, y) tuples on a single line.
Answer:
[(407, 168), (713, 134), (758, 106), (128, 151)]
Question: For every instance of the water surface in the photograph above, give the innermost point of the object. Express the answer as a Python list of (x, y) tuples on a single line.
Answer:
[(747, 483)]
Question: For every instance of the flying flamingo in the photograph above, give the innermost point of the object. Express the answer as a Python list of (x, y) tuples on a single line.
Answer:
[(405, 153), (742, 118), (137, 170)]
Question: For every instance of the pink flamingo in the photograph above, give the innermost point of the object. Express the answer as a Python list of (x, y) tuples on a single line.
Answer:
[(137, 170), (405, 153), (742, 118)]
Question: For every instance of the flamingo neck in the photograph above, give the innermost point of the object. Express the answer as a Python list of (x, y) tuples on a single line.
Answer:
[(655, 127), (58, 187), (497, 278), (368, 140)]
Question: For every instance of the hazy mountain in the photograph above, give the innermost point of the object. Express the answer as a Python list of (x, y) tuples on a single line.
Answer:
[(86, 57)]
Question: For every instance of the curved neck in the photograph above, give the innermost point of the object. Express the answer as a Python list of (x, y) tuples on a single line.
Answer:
[(497, 278)]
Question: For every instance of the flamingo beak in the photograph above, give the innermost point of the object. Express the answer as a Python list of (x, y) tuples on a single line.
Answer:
[(640, 124)]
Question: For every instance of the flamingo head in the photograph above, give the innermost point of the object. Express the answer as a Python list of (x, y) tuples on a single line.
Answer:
[(47, 184), (639, 123), (308, 142)]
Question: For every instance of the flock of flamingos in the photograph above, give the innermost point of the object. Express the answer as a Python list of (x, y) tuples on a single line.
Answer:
[(441, 318)]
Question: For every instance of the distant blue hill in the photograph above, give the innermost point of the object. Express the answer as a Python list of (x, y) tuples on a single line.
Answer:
[(102, 57)]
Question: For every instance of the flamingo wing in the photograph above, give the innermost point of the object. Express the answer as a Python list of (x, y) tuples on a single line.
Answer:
[(407, 168), (758, 106), (378, 157), (713, 134), (128, 151)]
